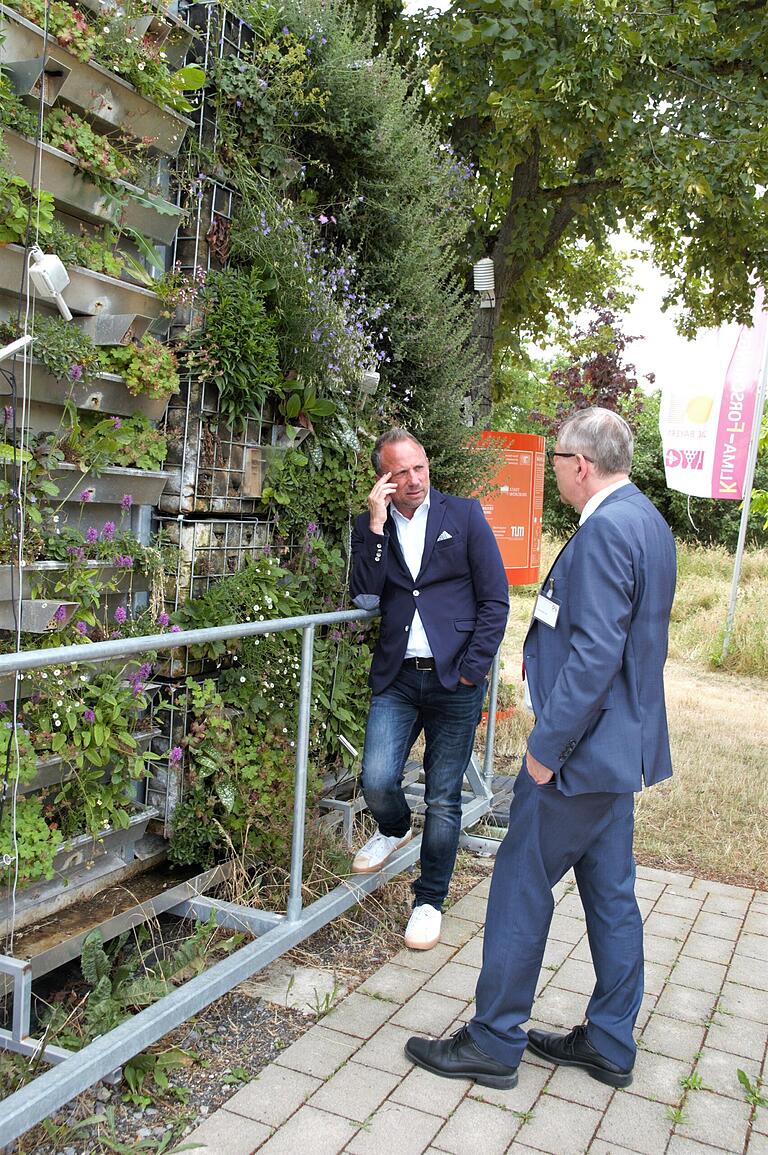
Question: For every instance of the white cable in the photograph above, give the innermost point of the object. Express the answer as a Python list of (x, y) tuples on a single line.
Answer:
[(21, 495), (21, 499)]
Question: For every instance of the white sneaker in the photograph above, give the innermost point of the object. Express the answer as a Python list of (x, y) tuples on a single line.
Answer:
[(423, 930), (378, 849)]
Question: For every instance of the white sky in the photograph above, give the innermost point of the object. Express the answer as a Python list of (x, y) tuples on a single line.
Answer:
[(662, 350)]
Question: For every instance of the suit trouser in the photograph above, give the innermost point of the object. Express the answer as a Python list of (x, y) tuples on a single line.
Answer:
[(548, 834)]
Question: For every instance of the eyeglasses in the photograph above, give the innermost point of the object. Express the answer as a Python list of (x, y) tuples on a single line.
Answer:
[(553, 453)]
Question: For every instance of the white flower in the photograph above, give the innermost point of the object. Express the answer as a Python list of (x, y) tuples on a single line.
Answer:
[(141, 66), (57, 673), (242, 679), (57, 722), (44, 676)]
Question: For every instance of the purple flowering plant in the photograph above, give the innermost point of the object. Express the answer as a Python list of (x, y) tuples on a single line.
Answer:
[(91, 718)]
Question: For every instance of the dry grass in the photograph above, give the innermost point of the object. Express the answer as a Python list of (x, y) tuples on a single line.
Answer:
[(701, 606), (712, 818)]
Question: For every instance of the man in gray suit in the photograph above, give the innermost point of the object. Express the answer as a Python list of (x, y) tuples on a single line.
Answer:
[(594, 658)]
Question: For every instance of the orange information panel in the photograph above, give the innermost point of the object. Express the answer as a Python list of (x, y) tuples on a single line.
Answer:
[(513, 507)]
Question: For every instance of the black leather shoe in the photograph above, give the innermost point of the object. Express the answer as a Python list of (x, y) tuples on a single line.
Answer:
[(459, 1058), (575, 1050)]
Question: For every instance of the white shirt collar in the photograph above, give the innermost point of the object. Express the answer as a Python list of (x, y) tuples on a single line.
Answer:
[(599, 497)]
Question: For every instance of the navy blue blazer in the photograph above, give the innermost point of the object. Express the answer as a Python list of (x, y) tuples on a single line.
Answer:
[(461, 591), (596, 678)]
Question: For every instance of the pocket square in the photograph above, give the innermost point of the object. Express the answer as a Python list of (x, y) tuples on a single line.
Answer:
[(445, 536)]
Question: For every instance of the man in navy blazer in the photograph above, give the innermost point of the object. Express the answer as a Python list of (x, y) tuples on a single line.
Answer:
[(431, 563), (594, 658)]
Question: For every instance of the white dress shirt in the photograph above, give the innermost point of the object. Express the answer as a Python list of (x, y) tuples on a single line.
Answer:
[(411, 532)]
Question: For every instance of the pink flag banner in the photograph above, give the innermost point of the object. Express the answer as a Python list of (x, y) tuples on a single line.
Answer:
[(706, 428)]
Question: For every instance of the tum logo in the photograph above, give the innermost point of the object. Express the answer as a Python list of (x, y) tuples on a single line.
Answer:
[(684, 458)]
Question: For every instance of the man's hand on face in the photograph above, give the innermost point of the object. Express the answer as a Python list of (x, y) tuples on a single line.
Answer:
[(540, 773), (378, 501)]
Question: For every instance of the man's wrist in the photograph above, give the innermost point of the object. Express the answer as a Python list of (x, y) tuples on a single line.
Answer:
[(376, 527)]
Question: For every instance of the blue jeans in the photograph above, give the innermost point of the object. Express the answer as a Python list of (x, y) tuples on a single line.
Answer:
[(417, 701)]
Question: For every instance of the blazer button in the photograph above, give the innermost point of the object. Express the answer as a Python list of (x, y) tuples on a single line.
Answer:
[(415, 593)]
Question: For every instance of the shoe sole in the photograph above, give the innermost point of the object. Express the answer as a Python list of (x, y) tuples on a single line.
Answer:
[(499, 1082), (384, 861), (599, 1073), (422, 945)]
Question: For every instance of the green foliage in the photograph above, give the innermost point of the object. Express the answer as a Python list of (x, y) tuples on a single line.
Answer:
[(66, 24), (97, 154), (13, 111), (94, 250), (402, 204), (260, 587), (26, 470), (93, 442), (323, 488), (149, 369), (578, 116), (259, 102), (90, 723), (36, 842), (122, 980), (19, 206), (241, 778), (66, 351), (752, 1091), (237, 346)]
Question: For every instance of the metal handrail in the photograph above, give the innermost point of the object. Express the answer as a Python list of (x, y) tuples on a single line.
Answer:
[(76, 1072)]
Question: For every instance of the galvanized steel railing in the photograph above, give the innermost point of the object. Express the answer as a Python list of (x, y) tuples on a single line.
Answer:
[(276, 933)]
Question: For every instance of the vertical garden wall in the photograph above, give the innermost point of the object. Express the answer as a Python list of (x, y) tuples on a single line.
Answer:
[(261, 235)]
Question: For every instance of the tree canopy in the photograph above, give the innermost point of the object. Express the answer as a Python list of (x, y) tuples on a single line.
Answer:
[(581, 115)]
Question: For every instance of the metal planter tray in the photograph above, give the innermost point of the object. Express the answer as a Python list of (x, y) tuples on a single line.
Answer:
[(51, 773), (105, 393), (11, 587), (109, 488), (167, 30), (73, 191), (107, 99), (86, 847), (87, 292), (37, 616)]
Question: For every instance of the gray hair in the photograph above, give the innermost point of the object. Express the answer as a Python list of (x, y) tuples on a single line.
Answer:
[(389, 438), (601, 435)]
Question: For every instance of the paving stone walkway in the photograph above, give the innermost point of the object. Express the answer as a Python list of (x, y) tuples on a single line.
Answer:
[(346, 1085)]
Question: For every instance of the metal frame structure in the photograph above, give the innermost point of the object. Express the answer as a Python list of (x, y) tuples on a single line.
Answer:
[(274, 933)]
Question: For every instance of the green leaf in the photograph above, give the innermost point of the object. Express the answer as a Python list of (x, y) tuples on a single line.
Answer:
[(190, 78), (463, 31)]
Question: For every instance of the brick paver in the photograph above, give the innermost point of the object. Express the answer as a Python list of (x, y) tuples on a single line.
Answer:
[(346, 1087)]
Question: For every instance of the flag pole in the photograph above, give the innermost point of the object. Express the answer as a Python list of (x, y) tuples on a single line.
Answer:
[(749, 478)]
